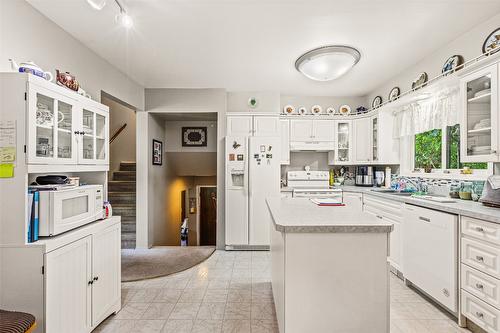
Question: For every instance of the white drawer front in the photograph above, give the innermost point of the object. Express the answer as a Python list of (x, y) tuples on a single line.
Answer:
[(481, 285), (481, 256), (481, 229), (482, 314)]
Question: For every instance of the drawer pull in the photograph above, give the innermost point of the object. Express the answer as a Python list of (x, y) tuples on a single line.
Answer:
[(379, 217), (480, 258), (424, 219), (479, 314), (479, 229), (479, 286)]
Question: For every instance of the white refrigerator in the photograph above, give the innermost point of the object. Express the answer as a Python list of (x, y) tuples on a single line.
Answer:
[(252, 175)]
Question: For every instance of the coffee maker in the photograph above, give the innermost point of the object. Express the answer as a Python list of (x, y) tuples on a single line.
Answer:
[(364, 176)]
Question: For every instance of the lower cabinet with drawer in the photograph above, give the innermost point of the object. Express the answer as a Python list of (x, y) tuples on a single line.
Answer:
[(480, 273), (391, 212)]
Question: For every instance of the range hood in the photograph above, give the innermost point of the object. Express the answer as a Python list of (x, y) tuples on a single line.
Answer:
[(312, 146)]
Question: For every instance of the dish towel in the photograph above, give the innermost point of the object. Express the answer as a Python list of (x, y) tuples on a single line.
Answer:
[(494, 182)]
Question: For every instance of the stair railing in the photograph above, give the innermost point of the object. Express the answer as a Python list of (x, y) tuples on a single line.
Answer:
[(118, 131)]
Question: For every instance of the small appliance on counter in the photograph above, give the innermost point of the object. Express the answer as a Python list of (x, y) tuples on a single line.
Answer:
[(64, 209), (491, 192), (379, 178), (364, 176)]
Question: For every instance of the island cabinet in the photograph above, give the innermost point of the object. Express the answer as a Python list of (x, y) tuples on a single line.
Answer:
[(329, 268)]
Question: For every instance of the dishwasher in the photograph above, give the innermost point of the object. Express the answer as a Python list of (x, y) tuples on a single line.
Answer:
[(430, 253)]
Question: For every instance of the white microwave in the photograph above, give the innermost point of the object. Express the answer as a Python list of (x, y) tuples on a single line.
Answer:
[(63, 210)]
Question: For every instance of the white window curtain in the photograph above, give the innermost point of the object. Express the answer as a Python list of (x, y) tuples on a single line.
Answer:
[(436, 111)]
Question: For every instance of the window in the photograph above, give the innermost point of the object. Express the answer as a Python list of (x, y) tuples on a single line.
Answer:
[(428, 147), (429, 150)]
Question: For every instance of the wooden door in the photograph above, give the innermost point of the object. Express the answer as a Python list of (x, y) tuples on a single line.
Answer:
[(208, 215), (68, 288), (106, 267)]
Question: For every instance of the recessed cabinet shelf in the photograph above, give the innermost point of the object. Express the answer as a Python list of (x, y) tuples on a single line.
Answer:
[(478, 131), (480, 99)]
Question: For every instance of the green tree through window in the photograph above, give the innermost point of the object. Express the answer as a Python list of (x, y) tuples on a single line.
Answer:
[(453, 151), (428, 149)]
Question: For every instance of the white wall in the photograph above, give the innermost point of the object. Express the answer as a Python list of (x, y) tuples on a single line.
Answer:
[(25, 34), (157, 184), (123, 147), (173, 136), (469, 45), (267, 101), (183, 100)]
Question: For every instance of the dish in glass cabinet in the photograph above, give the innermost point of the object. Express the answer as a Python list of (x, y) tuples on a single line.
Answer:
[(345, 109), (492, 43), (289, 109), (316, 109), (302, 110), (394, 93), (377, 101), (330, 110), (452, 63), (420, 81)]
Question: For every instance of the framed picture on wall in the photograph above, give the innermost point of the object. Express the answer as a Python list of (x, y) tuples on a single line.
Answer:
[(157, 152), (194, 136)]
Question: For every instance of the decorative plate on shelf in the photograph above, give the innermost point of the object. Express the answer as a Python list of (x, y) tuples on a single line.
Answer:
[(316, 109), (345, 109), (452, 63), (289, 109), (302, 110), (330, 110), (253, 102), (420, 81), (394, 94), (492, 43), (377, 101)]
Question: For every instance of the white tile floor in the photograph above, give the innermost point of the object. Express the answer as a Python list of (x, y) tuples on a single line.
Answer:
[(231, 292)]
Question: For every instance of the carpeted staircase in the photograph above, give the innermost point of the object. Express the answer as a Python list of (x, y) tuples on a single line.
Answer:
[(121, 195)]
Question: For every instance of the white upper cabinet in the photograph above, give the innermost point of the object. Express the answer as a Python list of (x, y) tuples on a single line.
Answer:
[(374, 139), (343, 143), (306, 130), (52, 127), (239, 126), (385, 146), (253, 126), (480, 113), (93, 138), (285, 141), (301, 130), (64, 127), (323, 130), (362, 140), (266, 126)]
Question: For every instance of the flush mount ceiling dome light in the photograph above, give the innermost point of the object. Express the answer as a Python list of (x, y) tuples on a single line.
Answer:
[(327, 63)]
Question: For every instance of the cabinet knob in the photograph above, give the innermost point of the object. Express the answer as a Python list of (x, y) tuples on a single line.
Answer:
[(96, 278), (76, 132), (479, 314), (91, 282), (479, 286), (480, 258), (479, 229)]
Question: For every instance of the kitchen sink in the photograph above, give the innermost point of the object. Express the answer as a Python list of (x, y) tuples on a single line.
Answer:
[(392, 192)]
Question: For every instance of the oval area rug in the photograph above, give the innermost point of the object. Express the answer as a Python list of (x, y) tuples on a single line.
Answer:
[(141, 264)]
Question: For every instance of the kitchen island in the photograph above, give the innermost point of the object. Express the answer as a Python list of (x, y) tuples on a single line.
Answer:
[(329, 268)]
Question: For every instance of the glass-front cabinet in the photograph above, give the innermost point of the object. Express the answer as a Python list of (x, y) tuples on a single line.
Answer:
[(51, 127), (480, 124), (374, 138), (63, 130), (94, 136), (343, 142)]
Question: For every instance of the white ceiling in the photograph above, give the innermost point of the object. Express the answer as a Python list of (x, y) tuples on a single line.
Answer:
[(253, 44)]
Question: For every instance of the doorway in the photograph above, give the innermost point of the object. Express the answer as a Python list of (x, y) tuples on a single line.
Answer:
[(207, 215)]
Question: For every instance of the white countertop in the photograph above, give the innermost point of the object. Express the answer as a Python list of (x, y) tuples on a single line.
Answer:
[(460, 207), (301, 215)]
